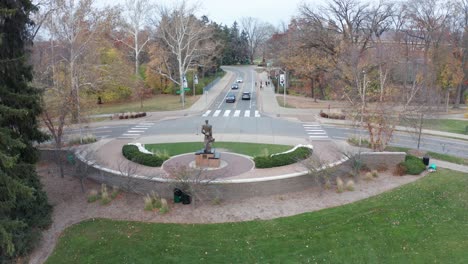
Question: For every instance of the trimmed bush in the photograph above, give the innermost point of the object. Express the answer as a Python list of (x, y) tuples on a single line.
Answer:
[(132, 153), (282, 159), (350, 185), (339, 185), (413, 165)]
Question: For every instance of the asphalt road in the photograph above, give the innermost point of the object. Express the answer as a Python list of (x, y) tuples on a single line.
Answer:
[(243, 117)]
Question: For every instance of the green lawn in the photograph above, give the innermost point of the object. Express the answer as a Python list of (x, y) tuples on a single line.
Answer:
[(422, 222), (250, 149), (156, 103), (435, 155), (447, 125)]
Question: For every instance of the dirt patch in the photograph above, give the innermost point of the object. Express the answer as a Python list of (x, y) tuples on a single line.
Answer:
[(70, 205)]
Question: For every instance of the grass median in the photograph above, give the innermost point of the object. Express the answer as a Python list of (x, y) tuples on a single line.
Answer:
[(422, 222), (249, 149)]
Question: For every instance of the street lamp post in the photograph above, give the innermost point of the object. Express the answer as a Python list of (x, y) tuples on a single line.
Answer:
[(363, 97)]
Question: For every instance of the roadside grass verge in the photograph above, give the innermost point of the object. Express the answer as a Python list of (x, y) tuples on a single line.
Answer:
[(161, 102), (280, 101), (435, 155), (446, 125), (422, 222), (249, 149)]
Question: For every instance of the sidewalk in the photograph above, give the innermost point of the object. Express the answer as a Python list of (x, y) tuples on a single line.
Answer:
[(448, 165)]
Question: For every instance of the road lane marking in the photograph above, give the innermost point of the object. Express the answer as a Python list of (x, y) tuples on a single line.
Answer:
[(247, 113), (237, 113), (226, 113), (216, 113), (206, 113), (257, 114)]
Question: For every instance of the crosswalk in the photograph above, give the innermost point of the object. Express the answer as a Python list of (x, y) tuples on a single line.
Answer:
[(315, 131), (136, 131), (231, 113)]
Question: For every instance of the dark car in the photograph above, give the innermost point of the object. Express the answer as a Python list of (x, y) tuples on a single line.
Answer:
[(235, 86), (230, 98), (246, 96)]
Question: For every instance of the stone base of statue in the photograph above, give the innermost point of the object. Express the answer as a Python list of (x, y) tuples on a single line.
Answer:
[(207, 159)]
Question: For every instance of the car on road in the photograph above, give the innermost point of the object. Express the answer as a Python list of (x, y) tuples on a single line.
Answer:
[(239, 80), (231, 98), (246, 96), (235, 86)]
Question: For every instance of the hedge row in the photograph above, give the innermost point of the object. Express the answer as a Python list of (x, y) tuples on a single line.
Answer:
[(412, 165), (132, 153), (282, 159)]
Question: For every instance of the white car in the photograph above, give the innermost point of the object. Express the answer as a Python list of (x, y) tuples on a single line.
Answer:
[(239, 80)]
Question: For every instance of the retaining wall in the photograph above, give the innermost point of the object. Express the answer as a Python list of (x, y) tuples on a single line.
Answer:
[(234, 189)]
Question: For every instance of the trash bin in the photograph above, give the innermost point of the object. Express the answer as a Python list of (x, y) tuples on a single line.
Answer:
[(177, 195), (186, 199), (425, 160)]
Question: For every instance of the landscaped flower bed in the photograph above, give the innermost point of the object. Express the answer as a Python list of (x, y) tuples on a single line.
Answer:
[(283, 159), (131, 115), (131, 152)]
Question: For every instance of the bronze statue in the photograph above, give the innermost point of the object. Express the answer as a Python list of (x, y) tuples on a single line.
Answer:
[(207, 131)]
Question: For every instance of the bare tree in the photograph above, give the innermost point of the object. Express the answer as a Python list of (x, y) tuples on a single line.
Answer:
[(128, 170), (73, 26), (257, 34), (82, 167), (135, 15), (192, 181), (319, 170), (185, 38)]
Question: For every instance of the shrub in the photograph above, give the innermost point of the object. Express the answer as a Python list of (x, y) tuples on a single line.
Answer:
[(374, 173), (148, 203), (413, 165), (350, 185), (368, 176), (115, 192), (400, 169), (339, 185), (164, 207), (300, 153), (105, 199), (86, 139), (93, 196), (327, 184), (132, 153)]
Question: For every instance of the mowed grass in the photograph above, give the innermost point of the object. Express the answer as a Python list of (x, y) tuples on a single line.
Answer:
[(435, 155), (446, 125), (422, 222), (249, 149), (156, 103)]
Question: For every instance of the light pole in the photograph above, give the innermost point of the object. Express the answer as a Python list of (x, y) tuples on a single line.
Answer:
[(363, 97)]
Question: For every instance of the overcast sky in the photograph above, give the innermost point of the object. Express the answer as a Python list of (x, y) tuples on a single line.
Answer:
[(228, 11)]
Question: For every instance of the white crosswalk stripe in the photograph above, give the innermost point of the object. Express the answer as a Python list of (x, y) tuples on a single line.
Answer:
[(315, 131), (207, 113), (231, 113), (216, 113), (136, 131)]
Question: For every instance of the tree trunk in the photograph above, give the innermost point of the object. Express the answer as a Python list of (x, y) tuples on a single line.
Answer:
[(312, 83), (58, 158)]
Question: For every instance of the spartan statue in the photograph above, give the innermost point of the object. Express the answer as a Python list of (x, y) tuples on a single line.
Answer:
[(208, 132)]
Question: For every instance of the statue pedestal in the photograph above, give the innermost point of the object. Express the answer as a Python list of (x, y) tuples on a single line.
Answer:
[(210, 159)]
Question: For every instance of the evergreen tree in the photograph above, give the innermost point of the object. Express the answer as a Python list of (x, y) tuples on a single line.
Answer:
[(23, 204)]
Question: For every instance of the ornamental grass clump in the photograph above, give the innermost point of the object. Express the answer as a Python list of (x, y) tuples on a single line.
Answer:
[(375, 173), (148, 203), (350, 185), (368, 176), (115, 192), (339, 185), (93, 196), (164, 206), (105, 199)]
